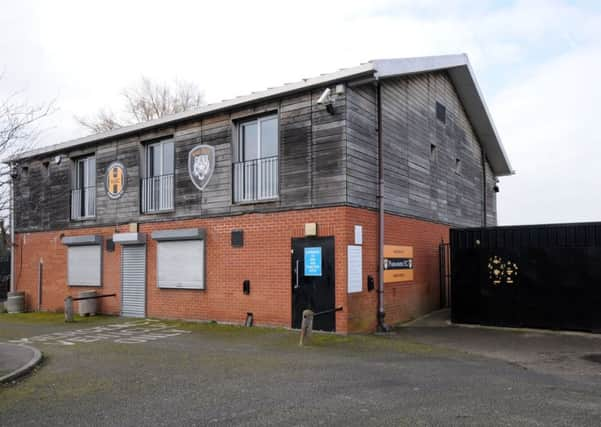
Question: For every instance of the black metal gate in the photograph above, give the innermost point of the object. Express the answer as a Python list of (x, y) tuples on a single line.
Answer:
[(444, 252), (4, 275), (543, 276)]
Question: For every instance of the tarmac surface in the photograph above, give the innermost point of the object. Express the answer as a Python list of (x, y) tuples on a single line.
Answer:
[(571, 355), (224, 375)]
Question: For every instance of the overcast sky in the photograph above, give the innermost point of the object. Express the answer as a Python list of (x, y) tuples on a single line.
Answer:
[(537, 62)]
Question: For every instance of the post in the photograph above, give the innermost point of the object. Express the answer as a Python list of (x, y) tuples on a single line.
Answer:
[(11, 211), (69, 309), (306, 327), (40, 270)]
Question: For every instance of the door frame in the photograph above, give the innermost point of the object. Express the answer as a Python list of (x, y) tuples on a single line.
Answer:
[(132, 239), (292, 274), (124, 247)]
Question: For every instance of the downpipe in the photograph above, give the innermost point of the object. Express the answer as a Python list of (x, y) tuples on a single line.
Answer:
[(11, 212), (381, 325)]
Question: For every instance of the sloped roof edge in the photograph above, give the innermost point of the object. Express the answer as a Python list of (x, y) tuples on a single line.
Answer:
[(458, 67), (468, 90)]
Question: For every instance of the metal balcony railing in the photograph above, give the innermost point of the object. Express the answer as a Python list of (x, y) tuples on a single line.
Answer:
[(255, 179), (157, 193), (83, 202)]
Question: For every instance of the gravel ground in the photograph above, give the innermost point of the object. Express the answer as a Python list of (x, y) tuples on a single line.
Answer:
[(223, 375)]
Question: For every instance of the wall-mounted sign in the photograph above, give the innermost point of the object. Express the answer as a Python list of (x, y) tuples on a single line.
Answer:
[(354, 269), (201, 164), (398, 263), (313, 261), (115, 180), (358, 234)]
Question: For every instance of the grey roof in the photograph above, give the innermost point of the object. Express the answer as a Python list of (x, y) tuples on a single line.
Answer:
[(458, 67)]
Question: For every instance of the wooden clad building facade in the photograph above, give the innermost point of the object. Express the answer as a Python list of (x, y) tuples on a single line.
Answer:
[(276, 195)]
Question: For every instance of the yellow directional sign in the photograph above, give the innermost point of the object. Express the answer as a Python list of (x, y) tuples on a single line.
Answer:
[(398, 263)]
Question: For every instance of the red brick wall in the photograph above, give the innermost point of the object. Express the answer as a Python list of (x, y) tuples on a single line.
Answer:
[(402, 301), (47, 247), (264, 260)]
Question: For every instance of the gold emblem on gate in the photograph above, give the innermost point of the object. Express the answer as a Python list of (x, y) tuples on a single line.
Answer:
[(115, 180), (502, 271)]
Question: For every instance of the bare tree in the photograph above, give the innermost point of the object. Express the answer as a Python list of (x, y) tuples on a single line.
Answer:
[(146, 101), (19, 131)]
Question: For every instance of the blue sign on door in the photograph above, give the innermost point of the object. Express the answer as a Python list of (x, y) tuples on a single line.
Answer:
[(313, 261)]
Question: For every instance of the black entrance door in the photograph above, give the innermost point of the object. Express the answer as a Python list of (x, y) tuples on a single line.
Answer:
[(313, 281)]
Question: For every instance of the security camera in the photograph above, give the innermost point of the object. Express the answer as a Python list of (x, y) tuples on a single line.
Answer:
[(327, 100), (325, 97), (13, 171)]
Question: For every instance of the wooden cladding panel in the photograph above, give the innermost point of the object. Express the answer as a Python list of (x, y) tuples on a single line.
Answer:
[(312, 168)]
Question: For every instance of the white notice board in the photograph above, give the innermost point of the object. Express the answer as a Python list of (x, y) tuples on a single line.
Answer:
[(354, 269), (358, 234)]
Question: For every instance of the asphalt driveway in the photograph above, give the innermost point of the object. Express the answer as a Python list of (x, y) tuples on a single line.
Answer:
[(570, 355), (223, 375)]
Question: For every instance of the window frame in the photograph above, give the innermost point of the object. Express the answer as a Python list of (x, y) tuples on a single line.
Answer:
[(181, 236), (149, 163), (82, 172), (87, 241), (148, 172), (258, 121), (239, 149)]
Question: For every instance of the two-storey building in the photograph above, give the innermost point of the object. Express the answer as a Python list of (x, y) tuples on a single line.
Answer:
[(335, 191)]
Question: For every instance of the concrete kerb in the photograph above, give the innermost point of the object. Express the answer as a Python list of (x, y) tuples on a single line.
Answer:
[(35, 360)]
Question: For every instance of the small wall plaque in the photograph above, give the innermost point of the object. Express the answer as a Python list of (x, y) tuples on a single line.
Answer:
[(237, 238)]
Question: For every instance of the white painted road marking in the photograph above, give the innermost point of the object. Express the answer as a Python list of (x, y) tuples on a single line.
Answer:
[(138, 331)]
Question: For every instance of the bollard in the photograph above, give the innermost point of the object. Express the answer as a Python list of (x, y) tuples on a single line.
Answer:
[(306, 327), (69, 309)]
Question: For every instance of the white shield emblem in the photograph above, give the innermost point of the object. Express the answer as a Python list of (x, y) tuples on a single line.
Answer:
[(201, 166), (201, 163)]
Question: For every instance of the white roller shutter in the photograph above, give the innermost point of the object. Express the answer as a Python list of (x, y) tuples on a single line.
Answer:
[(180, 264), (84, 265), (133, 280)]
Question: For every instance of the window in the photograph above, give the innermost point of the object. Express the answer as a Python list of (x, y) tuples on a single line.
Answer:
[(46, 168), (256, 168), (180, 264), (458, 166), (84, 265), (433, 152), (83, 192), (180, 258), (158, 186), (441, 112)]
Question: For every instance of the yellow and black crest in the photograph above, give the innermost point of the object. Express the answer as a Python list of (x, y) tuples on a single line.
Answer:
[(115, 180)]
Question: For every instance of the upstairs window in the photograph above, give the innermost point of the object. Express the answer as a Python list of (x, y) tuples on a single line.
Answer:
[(255, 171), (158, 186), (83, 191)]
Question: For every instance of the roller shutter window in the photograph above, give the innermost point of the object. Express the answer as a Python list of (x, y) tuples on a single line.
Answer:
[(181, 264), (84, 265)]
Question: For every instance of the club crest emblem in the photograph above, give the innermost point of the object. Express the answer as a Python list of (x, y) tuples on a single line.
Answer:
[(201, 163), (115, 180)]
